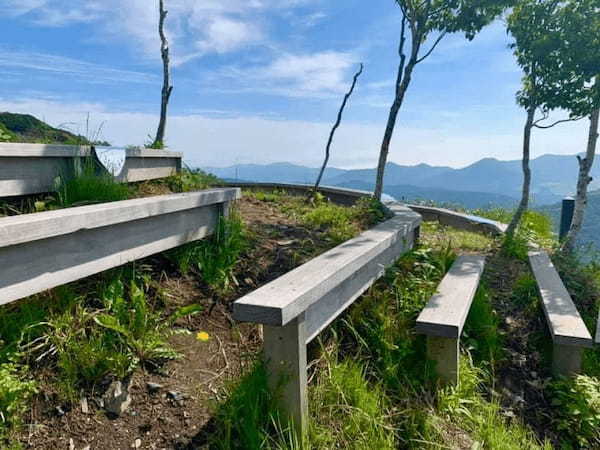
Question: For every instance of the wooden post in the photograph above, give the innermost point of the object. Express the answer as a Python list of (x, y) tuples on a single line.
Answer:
[(285, 356), (445, 352), (566, 360)]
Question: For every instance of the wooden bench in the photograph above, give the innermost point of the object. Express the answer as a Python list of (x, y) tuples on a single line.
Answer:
[(569, 333), (443, 318), (297, 306)]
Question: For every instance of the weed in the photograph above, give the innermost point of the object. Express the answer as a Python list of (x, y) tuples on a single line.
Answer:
[(480, 334), (136, 327), (349, 412), (215, 258), (191, 180), (577, 402), (245, 419), (435, 235), (15, 392), (465, 406), (336, 220), (88, 186)]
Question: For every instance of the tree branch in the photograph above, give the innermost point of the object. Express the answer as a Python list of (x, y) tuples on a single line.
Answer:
[(545, 127), (435, 44), (336, 125)]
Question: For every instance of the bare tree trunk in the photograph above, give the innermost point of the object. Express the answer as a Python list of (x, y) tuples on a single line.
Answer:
[(585, 166), (335, 127), (524, 204), (167, 88), (402, 82)]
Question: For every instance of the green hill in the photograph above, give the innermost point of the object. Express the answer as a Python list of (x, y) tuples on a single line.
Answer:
[(26, 128)]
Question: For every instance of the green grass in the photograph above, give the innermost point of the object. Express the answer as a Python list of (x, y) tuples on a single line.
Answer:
[(339, 223), (439, 236), (91, 187), (481, 335), (215, 258), (189, 180)]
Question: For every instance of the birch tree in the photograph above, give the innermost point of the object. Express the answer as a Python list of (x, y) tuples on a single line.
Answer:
[(424, 25), (534, 25), (167, 88), (578, 89)]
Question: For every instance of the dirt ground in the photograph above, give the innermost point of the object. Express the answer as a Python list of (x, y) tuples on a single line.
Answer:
[(175, 412)]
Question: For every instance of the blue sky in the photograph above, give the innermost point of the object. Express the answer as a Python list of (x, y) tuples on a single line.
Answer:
[(260, 81)]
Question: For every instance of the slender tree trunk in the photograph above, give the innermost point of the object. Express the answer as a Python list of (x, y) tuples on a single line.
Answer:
[(167, 88), (524, 204), (585, 166), (402, 82), (335, 127)]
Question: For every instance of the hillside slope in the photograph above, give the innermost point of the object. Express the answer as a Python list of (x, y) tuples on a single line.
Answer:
[(27, 128)]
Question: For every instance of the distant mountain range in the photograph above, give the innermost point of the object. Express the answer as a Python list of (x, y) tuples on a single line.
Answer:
[(488, 182)]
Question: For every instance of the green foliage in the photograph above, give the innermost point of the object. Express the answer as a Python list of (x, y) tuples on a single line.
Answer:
[(577, 402), (135, 326), (15, 392), (371, 211), (350, 412), (247, 417), (549, 42), (439, 236), (215, 258), (535, 228), (481, 335), (89, 186), (189, 180), (380, 325), (26, 128), (466, 407), (337, 220)]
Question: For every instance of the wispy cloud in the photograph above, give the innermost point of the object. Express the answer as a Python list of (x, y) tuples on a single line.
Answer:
[(305, 75), (59, 65)]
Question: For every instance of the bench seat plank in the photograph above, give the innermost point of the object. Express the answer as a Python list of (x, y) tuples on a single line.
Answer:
[(446, 312), (565, 323)]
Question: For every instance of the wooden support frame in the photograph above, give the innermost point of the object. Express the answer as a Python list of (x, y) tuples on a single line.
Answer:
[(296, 307)]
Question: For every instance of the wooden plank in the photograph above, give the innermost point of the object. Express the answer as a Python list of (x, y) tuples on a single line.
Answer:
[(280, 301), (322, 313), (31, 227), (18, 150), (447, 310), (459, 220), (31, 267), (565, 324)]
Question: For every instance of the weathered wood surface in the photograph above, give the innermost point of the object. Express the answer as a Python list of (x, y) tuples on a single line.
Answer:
[(149, 164), (44, 250), (566, 325), (341, 269), (447, 310), (34, 168), (342, 196), (459, 220)]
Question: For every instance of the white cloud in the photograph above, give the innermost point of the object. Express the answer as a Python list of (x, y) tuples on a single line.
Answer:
[(210, 141), (195, 27), (319, 75), (41, 62)]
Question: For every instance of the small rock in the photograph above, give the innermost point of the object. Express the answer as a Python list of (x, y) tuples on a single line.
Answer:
[(84, 406), (177, 397), (59, 411), (87, 447), (153, 387), (137, 443), (71, 444), (117, 398)]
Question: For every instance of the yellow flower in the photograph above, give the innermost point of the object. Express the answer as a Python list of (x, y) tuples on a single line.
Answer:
[(203, 336)]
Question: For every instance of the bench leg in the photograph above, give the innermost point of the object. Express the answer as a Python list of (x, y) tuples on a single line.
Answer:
[(566, 360), (285, 356), (445, 353)]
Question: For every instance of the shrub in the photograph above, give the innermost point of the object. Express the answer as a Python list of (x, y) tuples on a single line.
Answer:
[(577, 402), (336, 220)]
